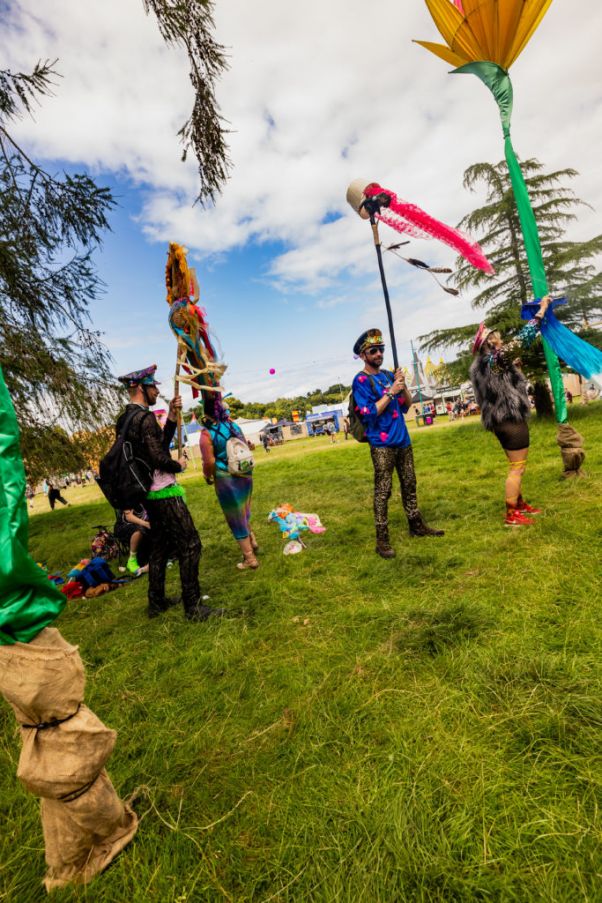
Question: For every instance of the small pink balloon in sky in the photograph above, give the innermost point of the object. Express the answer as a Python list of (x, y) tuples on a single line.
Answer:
[(272, 371)]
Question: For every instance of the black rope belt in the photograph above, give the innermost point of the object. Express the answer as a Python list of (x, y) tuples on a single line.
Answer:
[(44, 725), (75, 794)]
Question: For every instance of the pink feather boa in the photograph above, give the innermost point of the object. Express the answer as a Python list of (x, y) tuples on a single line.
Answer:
[(411, 220)]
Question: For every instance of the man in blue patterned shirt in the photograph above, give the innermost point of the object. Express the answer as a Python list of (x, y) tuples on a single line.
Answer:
[(380, 400)]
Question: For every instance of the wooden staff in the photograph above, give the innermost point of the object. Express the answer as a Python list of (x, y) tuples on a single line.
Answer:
[(176, 391)]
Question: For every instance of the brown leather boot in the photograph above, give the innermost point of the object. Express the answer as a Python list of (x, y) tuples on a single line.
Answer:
[(383, 547), (418, 527)]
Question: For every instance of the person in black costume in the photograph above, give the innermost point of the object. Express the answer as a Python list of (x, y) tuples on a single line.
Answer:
[(54, 496), (500, 389), (172, 527)]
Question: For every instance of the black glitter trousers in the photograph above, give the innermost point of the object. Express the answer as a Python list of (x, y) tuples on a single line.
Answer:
[(173, 534), (385, 461)]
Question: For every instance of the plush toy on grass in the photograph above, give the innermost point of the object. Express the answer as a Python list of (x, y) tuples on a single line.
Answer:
[(293, 523), (287, 522)]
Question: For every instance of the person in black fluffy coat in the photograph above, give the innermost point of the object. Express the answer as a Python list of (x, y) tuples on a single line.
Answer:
[(501, 393)]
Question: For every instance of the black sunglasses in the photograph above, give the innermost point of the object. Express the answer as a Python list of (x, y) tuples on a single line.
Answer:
[(375, 348)]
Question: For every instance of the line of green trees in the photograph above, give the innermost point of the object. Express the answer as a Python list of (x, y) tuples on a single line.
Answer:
[(282, 408)]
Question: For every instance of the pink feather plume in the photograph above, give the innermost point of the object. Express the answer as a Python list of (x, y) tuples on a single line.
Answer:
[(411, 220)]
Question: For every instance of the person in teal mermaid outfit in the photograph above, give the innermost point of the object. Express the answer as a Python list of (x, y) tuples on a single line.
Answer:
[(233, 492)]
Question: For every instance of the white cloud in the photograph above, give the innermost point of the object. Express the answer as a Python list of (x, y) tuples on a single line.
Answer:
[(317, 94)]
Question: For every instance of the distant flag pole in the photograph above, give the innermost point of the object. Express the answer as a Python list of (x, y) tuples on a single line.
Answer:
[(416, 373)]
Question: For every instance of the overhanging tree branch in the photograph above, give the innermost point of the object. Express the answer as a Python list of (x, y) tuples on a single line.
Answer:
[(189, 23)]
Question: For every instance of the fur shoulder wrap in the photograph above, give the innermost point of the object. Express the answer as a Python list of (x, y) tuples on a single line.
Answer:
[(500, 391)]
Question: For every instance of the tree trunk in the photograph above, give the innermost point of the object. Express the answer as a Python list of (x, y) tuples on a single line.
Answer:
[(514, 229), (543, 400)]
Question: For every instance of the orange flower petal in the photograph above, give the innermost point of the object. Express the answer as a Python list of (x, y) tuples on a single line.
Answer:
[(454, 29), (482, 18), (509, 14), (533, 12), (495, 30), (444, 53)]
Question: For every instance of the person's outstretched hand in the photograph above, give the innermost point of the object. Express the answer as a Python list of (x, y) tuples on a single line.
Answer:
[(399, 383), (175, 406), (541, 311)]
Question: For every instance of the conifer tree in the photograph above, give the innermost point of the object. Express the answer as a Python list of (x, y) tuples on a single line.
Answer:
[(55, 365), (570, 266)]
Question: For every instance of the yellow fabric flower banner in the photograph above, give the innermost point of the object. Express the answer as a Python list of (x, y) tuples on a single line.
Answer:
[(495, 31), (484, 38)]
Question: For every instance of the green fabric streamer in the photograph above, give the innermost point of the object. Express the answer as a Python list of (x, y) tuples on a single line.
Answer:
[(498, 82), (169, 492), (28, 601)]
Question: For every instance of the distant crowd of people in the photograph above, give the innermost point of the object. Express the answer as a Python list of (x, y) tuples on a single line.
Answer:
[(461, 408)]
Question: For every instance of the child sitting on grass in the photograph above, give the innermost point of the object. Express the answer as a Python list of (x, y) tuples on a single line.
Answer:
[(132, 527)]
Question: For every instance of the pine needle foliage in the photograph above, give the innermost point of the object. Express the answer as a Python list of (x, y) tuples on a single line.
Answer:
[(20, 91), (189, 23), (55, 364)]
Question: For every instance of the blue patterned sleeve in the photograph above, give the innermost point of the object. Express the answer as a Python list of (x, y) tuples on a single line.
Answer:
[(365, 400)]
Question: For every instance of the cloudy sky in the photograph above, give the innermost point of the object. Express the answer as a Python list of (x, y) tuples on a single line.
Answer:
[(317, 94)]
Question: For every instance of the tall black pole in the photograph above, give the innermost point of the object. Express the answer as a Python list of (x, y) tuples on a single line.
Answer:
[(379, 255)]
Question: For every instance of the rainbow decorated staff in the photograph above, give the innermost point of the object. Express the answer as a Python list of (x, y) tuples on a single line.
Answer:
[(371, 201), (484, 38), (197, 360)]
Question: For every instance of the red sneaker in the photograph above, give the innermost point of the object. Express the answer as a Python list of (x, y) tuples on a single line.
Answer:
[(516, 518), (525, 508)]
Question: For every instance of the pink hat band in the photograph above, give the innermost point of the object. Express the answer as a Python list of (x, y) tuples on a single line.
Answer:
[(481, 335)]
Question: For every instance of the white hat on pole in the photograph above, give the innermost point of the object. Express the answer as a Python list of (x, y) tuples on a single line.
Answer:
[(356, 196)]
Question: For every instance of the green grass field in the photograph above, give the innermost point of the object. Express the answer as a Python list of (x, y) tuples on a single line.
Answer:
[(426, 729)]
